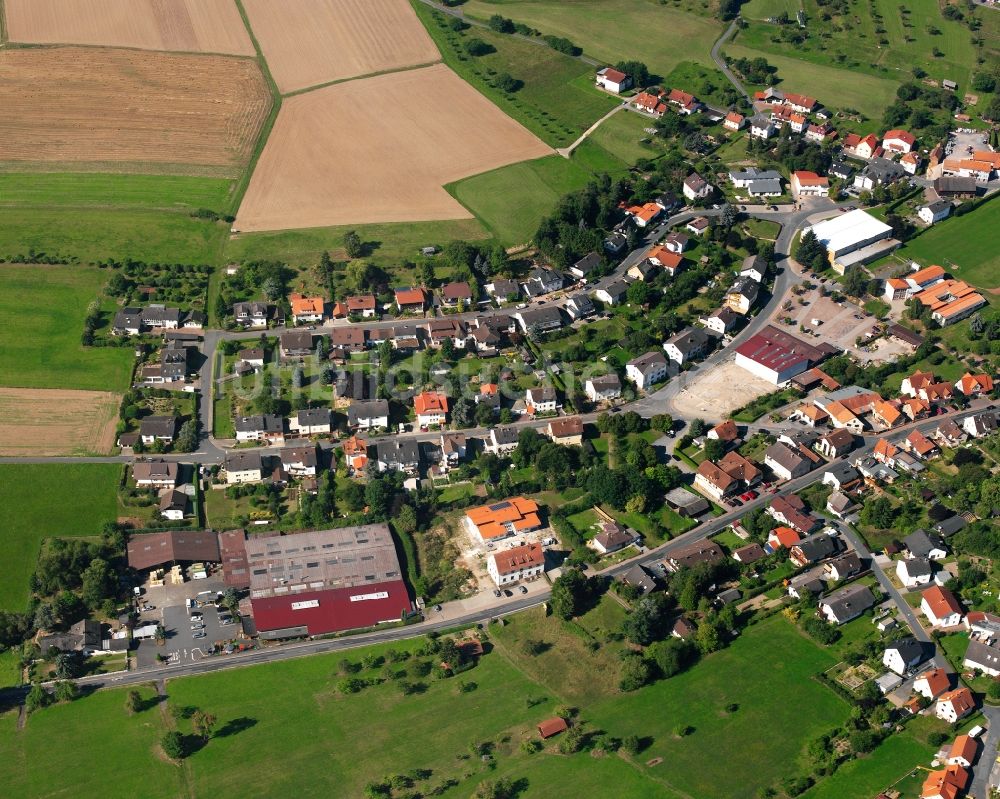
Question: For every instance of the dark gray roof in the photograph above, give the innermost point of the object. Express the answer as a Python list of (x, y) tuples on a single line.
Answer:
[(983, 655), (314, 416), (920, 543), (938, 205), (648, 362), (950, 526), (917, 567), (843, 472), (691, 340), (910, 649), (243, 461), (396, 451), (588, 263), (640, 578), (883, 170), (505, 435), (367, 409), (296, 340), (847, 564), (746, 286), (849, 602), (266, 423), (159, 426), (542, 317), (764, 187), (817, 546)]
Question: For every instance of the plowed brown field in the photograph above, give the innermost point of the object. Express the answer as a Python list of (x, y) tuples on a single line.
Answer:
[(46, 422), (82, 104), (309, 42), (199, 26), (379, 150)]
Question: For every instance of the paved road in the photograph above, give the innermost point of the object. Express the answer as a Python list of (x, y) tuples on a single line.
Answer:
[(720, 60), (986, 771)]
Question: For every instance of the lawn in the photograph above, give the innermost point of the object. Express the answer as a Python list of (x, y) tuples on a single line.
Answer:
[(622, 135), (964, 245), (861, 779), (762, 9), (615, 30), (511, 201), (583, 522), (99, 190), (839, 88), (91, 235), (43, 308), (768, 654), (10, 668), (48, 500)]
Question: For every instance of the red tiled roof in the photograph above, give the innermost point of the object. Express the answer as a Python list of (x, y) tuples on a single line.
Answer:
[(941, 601), (551, 727), (336, 609), (411, 296), (514, 559), (430, 402)]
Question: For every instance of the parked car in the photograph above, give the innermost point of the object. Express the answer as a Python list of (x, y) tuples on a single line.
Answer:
[(196, 616), (523, 589), (496, 593)]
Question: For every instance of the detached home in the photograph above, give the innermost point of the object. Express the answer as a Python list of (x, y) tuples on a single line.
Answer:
[(510, 566), (941, 607), (646, 370)]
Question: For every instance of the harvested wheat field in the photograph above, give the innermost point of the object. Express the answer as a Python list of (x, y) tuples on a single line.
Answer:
[(196, 26), (309, 42), (379, 150), (84, 105), (44, 422)]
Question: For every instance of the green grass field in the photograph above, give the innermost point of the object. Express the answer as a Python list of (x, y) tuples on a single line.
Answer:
[(48, 500), (762, 9), (839, 88), (965, 246), (862, 779), (557, 100), (622, 135), (43, 308), (511, 201), (852, 41), (615, 30), (99, 190)]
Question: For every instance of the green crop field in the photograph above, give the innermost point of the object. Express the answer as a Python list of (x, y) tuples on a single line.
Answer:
[(48, 500), (511, 201), (616, 30), (557, 100), (965, 246), (99, 190), (43, 308), (838, 88)]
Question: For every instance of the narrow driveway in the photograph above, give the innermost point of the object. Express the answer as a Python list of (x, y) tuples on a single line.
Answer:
[(720, 60)]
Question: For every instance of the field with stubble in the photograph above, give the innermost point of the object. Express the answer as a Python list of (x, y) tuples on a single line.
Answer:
[(70, 105), (47, 422), (195, 26), (379, 150), (309, 42)]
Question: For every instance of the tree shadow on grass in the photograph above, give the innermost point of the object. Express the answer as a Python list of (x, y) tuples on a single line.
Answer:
[(235, 727)]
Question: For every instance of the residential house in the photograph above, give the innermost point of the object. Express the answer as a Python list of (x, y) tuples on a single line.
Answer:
[(932, 683), (295, 344), (454, 447), (431, 408), (411, 300), (812, 549), (157, 428), (363, 305), (457, 292), (698, 225), (846, 603), (744, 179), (971, 385), (267, 428), (980, 424), (155, 474), (791, 510), (306, 309), (934, 212), (836, 444), (949, 782), (886, 414), (721, 321), (642, 271), (740, 468), (639, 578), (687, 345), (665, 258), (355, 454), (914, 571), (733, 121), (501, 440), (676, 242), (840, 169), (950, 526), (898, 141), (842, 567), (579, 306), (645, 214), (963, 751), (983, 656), (513, 565), (250, 360), (941, 607), (782, 537), (312, 421), (299, 461), (818, 134), (920, 445), (713, 481), (398, 454), (742, 296), (761, 126), (538, 321), (810, 415), (583, 268), (785, 462), (368, 414), (955, 704), (842, 476), (921, 544), (613, 80), (503, 290), (174, 505), (613, 293), (704, 551), (861, 147), (878, 172), (604, 388), (684, 103), (650, 103), (540, 400), (243, 466), (503, 519), (252, 314), (840, 504), (727, 432), (541, 281), (567, 431), (646, 370), (696, 187), (612, 538), (902, 655)]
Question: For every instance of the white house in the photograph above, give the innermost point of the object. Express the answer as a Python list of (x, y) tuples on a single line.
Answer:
[(647, 369), (613, 80), (809, 184), (914, 572), (515, 564), (603, 388), (761, 126), (941, 607), (696, 187), (984, 657), (954, 705), (903, 655), (243, 467), (501, 440), (934, 212), (368, 414), (932, 683), (540, 399)]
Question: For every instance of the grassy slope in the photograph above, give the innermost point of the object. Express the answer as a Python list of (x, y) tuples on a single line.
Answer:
[(965, 246), (762, 9), (43, 308), (614, 30), (839, 88), (557, 101), (622, 134), (45, 500), (862, 779), (98, 190), (511, 200)]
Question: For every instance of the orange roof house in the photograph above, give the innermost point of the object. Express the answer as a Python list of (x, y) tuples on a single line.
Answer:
[(306, 306), (505, 518), (951, 300), (645, 213), (726, 432), (783, 537), (356, 453), (430, 403), (361, 303), (914, 407), (733, 121), (411, 298), (813, 413), (970, 384), (932, 683), (927, 275), (661, 256), (921, 444), (963, 751), (885, 450), (887, 413), (945, 783), (913, 384)]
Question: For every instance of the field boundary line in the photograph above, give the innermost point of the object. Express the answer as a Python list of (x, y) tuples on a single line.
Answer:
[(337, 81), (3, 23)]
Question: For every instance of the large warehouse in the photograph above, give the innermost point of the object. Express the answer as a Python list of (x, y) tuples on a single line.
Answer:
[(776, 356), (854, 238), (318, 582)]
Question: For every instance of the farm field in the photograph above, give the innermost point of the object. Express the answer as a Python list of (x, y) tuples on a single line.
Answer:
[(645, 30), (853, 41), (209, 26), (43, 308), (511, 201), (557, 100), (311, 42), (86, 500), (102, 190), (92, 235), (840, 88), (336, 158), (42, 422), (965, 246), (79, 105)]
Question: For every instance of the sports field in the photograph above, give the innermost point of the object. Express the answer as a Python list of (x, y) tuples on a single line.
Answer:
[(41, 422), (209, 26), (43, 308), (966, 246), (337, 157), (838, 88), (511, 201), (48, 500), (613, 30), (108, 107), (310, 42)]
